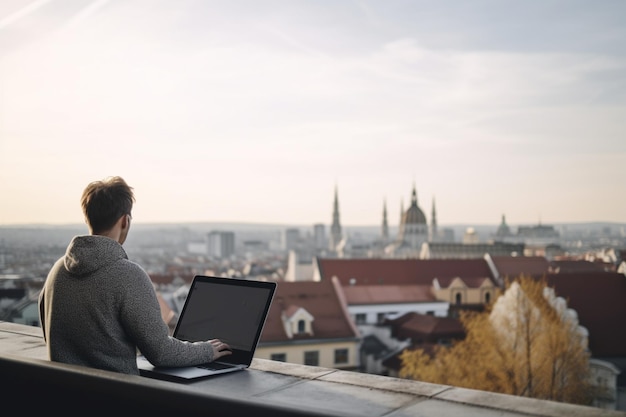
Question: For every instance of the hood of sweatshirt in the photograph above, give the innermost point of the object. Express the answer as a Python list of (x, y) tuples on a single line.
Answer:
[(86, 254)]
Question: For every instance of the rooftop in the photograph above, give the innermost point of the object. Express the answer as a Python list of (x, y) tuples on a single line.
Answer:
[(369, 271), (266, 388)]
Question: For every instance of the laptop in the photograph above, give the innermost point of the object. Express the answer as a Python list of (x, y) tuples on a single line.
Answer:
[(233, 310)]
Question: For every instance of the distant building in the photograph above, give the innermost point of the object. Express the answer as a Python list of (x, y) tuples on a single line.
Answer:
[(433, 250), (538, 240), (539, 235), (291, 238), (540, 231), (470, 236), (319, 236), (197, 247), (299, 268), (412, 233), (221, 244), (252, 248), (503, 231)]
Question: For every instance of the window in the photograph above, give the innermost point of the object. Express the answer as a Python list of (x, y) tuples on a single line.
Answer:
[(380, 317), (445, 342), (360, 318), (280, 357), (301, 326), (487, 297), (341, 356), (312, 358), (458, 298)]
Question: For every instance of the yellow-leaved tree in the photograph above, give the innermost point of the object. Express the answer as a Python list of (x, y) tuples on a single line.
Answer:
[(526, 343)]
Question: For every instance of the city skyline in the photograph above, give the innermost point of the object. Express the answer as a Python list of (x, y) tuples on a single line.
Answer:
[(256, 113)]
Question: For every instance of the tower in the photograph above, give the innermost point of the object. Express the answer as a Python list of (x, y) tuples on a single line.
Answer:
[(434, 233), (335, 228), (503, 230), (385, 226), (221, 244), (413, 226)]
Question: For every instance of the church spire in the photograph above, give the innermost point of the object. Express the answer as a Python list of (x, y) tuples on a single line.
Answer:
[(433, 224), (385, 227), (335, 228)]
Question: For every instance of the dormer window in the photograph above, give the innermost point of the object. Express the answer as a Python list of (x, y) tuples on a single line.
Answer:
[(297, 321)]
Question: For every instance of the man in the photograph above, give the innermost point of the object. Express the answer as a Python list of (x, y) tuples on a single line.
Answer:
[(97, 308)]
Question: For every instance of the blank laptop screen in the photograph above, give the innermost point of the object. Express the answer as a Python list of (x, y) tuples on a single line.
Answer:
[(227, 312)]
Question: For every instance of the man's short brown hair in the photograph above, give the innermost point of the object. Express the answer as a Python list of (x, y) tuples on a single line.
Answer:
[(104, 202)]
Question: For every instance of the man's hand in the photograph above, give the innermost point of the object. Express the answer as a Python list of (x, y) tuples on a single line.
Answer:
[(220, 349)]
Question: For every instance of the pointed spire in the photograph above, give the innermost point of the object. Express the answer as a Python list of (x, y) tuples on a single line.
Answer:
[(335, 228), (434, 232), (414, 196), (385, 229)]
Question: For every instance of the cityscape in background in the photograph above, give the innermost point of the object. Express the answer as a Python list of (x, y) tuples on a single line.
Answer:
[(239, 249), (356, 297), (271, 251)]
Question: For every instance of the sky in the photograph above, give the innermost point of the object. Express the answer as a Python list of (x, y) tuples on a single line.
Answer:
[(258, 111)]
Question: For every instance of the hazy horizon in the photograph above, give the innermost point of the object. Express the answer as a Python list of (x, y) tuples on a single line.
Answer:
[(256, 112), (262, 224)]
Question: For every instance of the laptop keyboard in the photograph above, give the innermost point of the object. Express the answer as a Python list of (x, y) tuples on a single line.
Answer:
[(215, 366)]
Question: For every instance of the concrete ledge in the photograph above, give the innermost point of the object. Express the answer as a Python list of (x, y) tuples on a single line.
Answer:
[(70, 389), (523, 405), (267, 388)]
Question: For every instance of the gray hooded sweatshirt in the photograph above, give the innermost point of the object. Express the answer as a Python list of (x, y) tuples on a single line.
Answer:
[(97, 309)]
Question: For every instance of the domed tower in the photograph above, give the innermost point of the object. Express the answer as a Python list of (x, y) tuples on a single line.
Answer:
[(503, 230), (413, 226)]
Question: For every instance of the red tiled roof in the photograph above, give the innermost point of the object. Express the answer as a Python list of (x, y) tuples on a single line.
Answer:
[(321, 299), (514, 266), (470, 282), (598, 298), (388, 294), (400, 271), (291, 310), (568, 266), (426, 328)]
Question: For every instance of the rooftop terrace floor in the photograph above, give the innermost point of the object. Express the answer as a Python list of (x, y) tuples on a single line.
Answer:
[(321, 391)]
